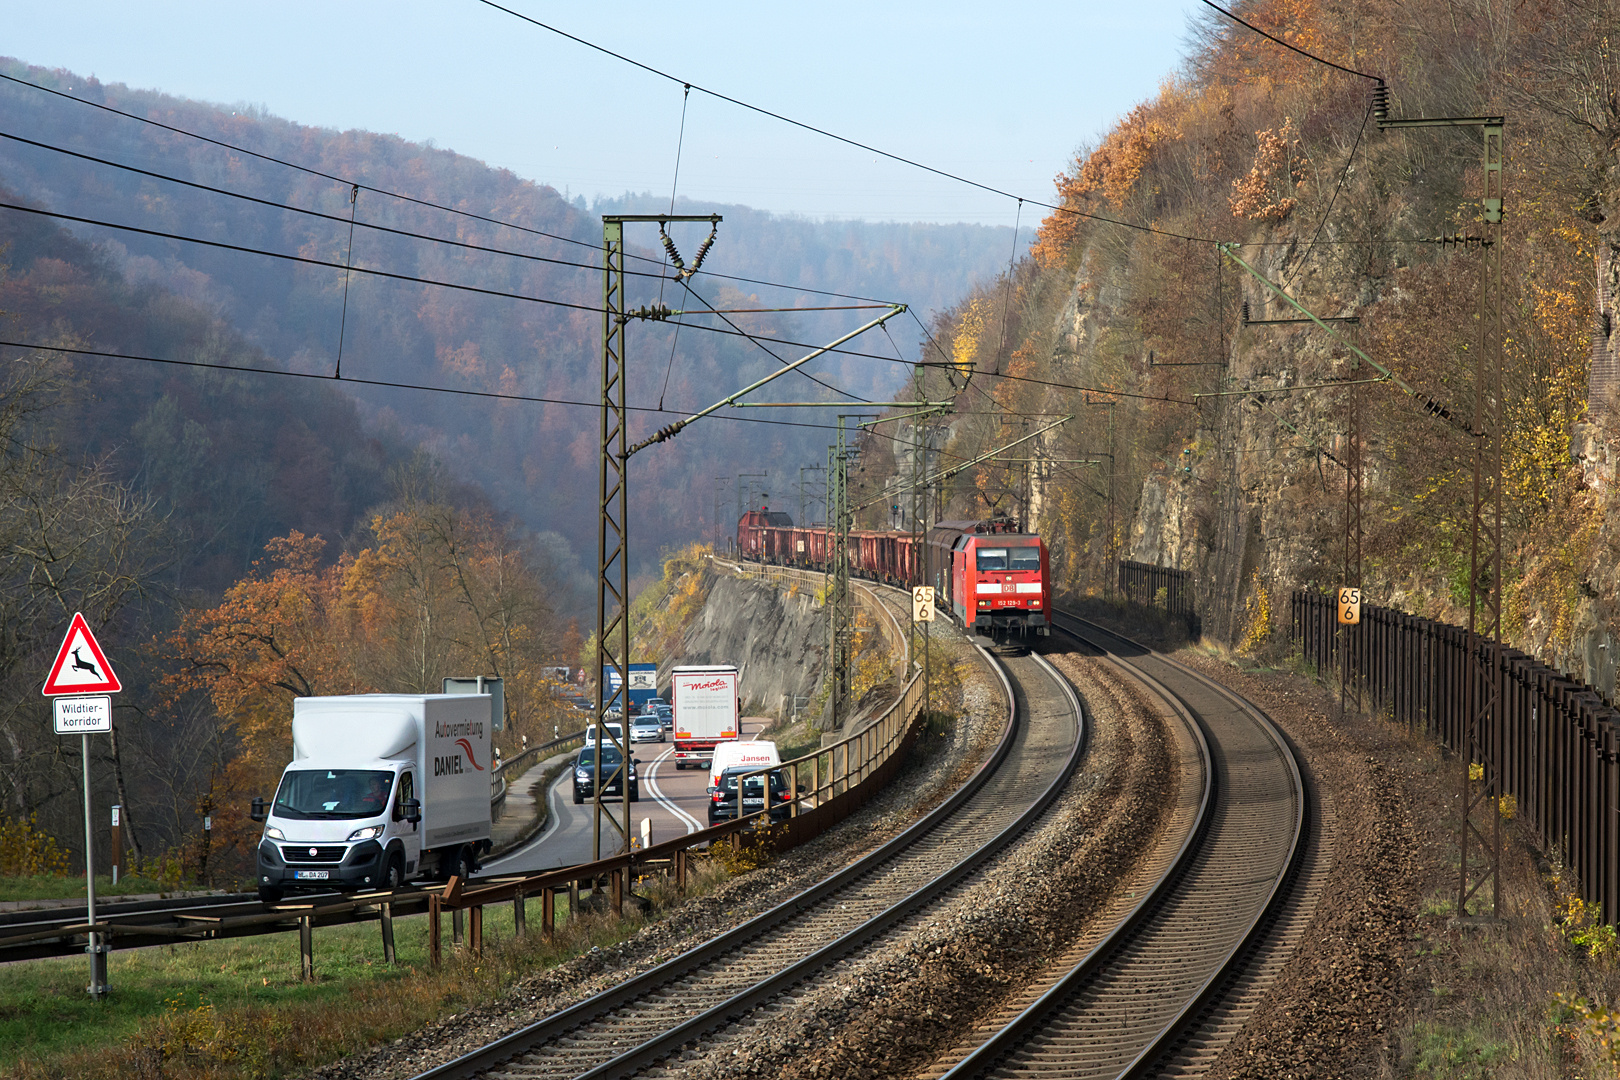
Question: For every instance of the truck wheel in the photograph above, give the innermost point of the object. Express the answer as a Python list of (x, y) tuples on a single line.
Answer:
[(459, 865), (394, 877), (679, 765), (270, 894)]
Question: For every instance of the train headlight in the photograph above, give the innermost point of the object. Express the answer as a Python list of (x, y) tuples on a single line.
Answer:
[(984, 603)]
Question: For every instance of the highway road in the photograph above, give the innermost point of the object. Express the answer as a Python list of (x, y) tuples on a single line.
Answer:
[(672, 799)]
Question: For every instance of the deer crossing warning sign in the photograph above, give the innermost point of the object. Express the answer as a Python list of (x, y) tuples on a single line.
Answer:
[(81, 667)]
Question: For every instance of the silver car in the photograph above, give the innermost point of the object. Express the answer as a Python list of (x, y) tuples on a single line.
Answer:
[(646, 728)]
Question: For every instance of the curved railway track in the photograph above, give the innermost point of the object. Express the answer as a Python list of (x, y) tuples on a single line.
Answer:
[(697, 995), (1165, 989)]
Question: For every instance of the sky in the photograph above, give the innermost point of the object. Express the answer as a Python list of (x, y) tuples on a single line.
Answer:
[(1003, 96)]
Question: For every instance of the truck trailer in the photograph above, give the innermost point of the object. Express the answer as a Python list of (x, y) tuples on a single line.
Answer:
[(382, 789), (706, 710)]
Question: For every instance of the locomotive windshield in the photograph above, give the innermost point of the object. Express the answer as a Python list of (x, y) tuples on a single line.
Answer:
[(1027, 557)]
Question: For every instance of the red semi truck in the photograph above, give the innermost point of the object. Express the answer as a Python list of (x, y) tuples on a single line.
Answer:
[(706, 711)]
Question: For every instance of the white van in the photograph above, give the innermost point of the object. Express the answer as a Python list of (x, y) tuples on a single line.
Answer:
[(729, 755), (615, 734)]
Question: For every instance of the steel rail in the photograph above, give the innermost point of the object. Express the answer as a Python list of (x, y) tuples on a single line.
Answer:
[(654, 1050), (1041, 1031), (737, 1003)]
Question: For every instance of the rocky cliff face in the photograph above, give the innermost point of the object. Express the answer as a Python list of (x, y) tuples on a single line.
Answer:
[(775, 637)]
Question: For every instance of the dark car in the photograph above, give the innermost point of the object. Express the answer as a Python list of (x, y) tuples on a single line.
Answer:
[(723, 797), (613, 774), (666, 717)]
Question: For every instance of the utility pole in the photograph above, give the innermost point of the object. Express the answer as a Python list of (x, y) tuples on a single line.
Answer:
[(750, 477), (822, 469), (1480, 855), (720, 483), (613, 538)]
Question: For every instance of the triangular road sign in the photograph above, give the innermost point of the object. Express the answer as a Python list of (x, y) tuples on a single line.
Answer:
[(81, 667)]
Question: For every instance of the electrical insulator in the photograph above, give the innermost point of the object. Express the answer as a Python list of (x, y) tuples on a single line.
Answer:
[(1380, 101), (1245, 312)]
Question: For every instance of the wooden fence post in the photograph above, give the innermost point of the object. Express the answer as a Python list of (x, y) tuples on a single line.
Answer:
[(475, 929), (520, 914), (548, 913), (387, 921), (306, 946), (435, 934)]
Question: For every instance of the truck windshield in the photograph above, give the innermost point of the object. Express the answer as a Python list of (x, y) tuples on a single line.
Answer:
[(333, 793)]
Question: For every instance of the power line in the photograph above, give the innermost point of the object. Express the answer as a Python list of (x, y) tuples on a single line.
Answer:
[(303, 259), (1295, 48), (428, 203), (835, 137), (391, 384)]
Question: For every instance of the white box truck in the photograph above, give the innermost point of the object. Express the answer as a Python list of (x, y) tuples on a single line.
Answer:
[(706, 710), (382, 788)]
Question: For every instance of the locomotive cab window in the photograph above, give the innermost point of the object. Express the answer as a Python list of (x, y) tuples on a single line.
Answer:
[(992, 559), (1024, 558)]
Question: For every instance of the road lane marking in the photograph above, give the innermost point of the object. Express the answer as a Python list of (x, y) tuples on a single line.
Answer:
[(692, 825)]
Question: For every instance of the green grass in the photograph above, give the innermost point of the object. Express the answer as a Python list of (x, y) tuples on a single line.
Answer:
[(45, 1011), (53, 887), (238, 1008)]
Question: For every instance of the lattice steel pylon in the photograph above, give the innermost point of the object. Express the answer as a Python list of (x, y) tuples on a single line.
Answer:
[(1480, 856), (1485, 727), (613, 542), (840, 606)]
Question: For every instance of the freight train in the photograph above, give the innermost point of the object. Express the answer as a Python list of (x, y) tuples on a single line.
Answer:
[(987, 575)]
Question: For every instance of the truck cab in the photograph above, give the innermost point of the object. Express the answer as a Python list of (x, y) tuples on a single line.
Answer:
[(341, 827), (382, 788)]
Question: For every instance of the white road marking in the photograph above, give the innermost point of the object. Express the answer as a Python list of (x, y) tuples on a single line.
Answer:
[(657, 793)]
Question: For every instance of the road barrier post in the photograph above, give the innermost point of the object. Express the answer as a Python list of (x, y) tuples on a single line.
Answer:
[(435, 933), (306, 946), (387, 921)]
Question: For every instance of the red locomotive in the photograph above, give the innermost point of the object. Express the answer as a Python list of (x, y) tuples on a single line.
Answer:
[(989, 576)]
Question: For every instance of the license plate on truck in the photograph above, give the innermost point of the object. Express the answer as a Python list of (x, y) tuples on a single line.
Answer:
[(312, 875)]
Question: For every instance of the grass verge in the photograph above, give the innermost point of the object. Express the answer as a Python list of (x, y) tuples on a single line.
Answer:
[(235, 1009), (55, 887)]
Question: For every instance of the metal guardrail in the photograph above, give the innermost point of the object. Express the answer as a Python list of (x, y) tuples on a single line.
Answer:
[(1558, 741), (554, 744), (855, 768)]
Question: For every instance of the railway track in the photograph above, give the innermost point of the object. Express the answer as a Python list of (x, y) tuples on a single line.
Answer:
[(1169, 986), (696, 996)]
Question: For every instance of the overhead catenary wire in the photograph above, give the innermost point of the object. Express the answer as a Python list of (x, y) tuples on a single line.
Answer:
[(426, 203), (1289, 45), (495, 395), (674, 186), (899, 158)]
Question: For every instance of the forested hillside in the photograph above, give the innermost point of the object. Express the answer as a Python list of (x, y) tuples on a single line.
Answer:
[(515, 326), (1228, 436), (238, 537)]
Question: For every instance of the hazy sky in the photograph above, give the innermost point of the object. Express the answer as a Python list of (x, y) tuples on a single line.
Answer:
[(1000, 94)]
